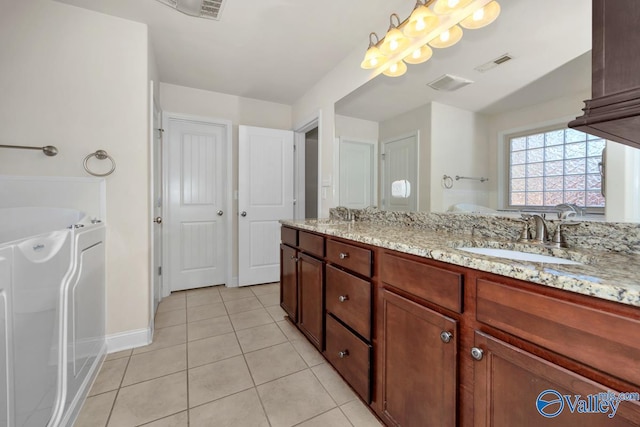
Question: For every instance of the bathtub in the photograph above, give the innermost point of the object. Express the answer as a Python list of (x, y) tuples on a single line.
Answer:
[(52, 313)]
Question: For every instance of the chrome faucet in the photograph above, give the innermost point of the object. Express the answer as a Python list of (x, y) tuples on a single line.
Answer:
[(566, 210), (541, 229)]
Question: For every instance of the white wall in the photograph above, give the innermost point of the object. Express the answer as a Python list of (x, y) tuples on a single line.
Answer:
[(241, 111), (351, 127), (78, 80), (459, 146), (320, 101)]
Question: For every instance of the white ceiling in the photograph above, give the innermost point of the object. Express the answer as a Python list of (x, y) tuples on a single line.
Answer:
[(276, 50)]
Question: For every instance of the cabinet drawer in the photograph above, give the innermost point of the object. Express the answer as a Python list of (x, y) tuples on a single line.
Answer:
[(349, 299), (311, 243), (605, 341), (349, 256), (350, 356), (440, 286), (289, 236)]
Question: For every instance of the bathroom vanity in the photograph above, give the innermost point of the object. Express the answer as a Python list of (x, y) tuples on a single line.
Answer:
[(429, 335)]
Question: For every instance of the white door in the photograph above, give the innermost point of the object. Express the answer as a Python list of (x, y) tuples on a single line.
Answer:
[(197, 232), (357, 177), (400, 164), (157, 205), (265, 196)]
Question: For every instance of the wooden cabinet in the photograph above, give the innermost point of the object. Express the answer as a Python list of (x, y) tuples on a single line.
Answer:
[(311, 299), (349, 305), (289, 281), (349, 298), (350, 355), (418, 369), (302, 282), (426, 343), (509, 381), (614, 110)]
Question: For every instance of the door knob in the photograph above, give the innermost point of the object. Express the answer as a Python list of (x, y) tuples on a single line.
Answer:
[(446, 336), (343, 354), (477, 353), (220, 213), (243, 213), (158, 220)]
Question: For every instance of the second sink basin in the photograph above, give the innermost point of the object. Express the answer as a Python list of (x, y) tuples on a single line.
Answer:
[(519, 256)]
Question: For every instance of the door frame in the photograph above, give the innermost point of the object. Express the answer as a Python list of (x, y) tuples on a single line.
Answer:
[(152, 174), (299, 131), (384, 196), (375, 166), (228, 202)]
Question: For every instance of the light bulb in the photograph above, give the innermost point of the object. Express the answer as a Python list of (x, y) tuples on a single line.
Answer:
[(420, 25), (393, 68), (393, 45), (478, 14), (420, 55), (447, 38), (482, 17), (453, 3), (373, 62)]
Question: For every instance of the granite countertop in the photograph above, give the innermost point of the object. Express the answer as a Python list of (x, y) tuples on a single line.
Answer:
[(608, 275)]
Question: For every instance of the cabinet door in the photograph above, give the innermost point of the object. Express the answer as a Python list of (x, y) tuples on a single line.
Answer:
[(289, 281), (511, 384), (311, 299), (418, 369)]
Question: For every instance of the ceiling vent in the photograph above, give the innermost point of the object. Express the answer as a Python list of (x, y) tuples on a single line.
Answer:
[(449, 83), (494, 63), (210, 9)]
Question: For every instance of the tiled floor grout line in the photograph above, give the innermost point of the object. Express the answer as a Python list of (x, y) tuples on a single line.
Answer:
[(289, 339), (115, 398)]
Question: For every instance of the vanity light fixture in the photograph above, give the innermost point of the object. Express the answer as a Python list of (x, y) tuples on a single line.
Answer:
[(447, 38), (396, 70), (420, 55), (482, 17), (395, 41), (373, 58), (434, 23)]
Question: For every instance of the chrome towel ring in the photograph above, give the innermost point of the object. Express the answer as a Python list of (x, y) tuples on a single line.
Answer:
[(100, 155)]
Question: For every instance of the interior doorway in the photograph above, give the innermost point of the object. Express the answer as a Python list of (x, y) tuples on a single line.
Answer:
[(311, 173), (307, 169)]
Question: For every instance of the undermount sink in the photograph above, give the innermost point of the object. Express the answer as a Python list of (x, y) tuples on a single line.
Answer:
[(519, 256)]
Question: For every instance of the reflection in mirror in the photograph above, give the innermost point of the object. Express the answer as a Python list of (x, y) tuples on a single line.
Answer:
[(463, 132)]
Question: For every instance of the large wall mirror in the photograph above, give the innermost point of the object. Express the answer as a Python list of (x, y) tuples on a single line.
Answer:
[(466, 133)]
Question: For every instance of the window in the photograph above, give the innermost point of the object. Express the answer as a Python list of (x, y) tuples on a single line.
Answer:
[(553, 167)]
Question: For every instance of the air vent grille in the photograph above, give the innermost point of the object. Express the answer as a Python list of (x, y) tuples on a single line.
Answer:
[(210, 9), (494, 63), (449, 83)]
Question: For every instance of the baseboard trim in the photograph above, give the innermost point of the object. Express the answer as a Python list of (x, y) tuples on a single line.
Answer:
[(129, 339)]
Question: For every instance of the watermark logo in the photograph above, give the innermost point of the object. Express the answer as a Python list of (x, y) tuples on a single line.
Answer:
[(551, 403)]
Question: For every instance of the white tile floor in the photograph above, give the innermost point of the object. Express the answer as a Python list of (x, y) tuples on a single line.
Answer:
[(222, 357)]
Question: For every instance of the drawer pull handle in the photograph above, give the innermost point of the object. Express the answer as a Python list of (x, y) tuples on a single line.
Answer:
[(294, 258), (343, 298), (343, 354), (477, 353), (446, 336), (344, 255)]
